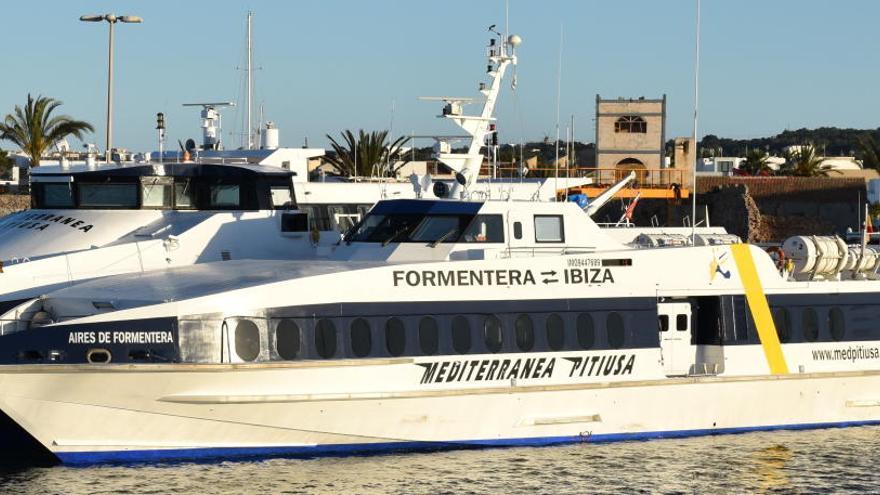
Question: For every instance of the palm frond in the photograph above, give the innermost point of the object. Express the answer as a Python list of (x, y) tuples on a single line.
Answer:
[(34, 129)]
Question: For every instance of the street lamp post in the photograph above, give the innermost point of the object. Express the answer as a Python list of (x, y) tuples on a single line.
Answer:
[(111, 20)]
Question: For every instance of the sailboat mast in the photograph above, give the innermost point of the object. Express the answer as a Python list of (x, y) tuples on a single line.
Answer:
[(696, 129), (250, 84)]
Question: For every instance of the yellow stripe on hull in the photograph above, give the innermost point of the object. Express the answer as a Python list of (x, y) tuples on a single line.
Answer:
[(759, 308)]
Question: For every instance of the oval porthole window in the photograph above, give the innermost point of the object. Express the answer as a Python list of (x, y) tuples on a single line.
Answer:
[(555, 332), (361, 340), (836, 324), (287, 339), (325, 338), (525, 333), (615, 330), (247, 340), (586, 332), (492, 334), (395, 336), (782, 319), (429, 336), (461, 334), (810, 325)]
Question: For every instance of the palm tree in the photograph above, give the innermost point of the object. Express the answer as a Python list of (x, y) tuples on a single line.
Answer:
[(804, 162), (367, 154), (34, 129), (870, 151), (755, 163), (6, 163)]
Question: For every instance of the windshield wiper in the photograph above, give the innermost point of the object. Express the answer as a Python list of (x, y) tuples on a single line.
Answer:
[(393, 236), (443, 237)]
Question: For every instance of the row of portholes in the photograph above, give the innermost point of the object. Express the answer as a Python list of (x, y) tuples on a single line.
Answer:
[(809, 324), (288, 338)]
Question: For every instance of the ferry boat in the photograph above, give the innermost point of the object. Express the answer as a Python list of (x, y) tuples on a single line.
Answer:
[(91, 219), (445, 324)]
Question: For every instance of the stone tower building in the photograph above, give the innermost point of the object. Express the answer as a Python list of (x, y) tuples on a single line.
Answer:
[(630, 133)]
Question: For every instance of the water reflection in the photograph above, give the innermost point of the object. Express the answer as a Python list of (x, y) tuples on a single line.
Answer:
[(820, 461)]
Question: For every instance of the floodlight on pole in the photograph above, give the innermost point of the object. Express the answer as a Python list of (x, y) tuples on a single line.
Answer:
[(111, 20)]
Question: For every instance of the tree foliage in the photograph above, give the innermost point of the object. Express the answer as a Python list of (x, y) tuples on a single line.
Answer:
[(6, 164), (34, 129), (367, 154), (755, 163), (804, 162), (869, 151), (832, 141)]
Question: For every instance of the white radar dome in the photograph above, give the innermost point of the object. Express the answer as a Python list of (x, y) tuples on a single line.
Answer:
[(514, 40)]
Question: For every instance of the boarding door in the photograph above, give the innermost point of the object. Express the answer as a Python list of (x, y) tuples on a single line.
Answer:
[(675, 337)]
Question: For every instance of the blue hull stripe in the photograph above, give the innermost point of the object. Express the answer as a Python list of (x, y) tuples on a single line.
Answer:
[(195, 454)]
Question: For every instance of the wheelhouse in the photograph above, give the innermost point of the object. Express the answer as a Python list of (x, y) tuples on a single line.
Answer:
[(166, 187)]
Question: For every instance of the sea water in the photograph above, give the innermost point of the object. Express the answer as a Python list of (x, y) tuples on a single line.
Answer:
[(816, 461)]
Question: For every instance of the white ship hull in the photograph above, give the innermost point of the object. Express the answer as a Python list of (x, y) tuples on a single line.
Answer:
[(156, 412)]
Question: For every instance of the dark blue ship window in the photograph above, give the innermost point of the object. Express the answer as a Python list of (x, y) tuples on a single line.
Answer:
[(461, 335), (247, 340), (782, 319), (492, 333), (287, 339), (555, 332), (429, 336), (586, 332), (395, 336), (325, 338), (615, 330), (525, 333), (836, 324), (810, 325), (361, 340)]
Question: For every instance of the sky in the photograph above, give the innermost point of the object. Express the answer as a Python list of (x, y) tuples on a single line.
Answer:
[(329, 65)]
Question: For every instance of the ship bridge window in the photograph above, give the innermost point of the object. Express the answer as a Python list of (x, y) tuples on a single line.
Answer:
[(55, 196), (485, 228), (184, 194), (548, 228), (443, 228), (224, 196), (343, 217), (281, 197), (108, 195), (409, 227), (156, 192)]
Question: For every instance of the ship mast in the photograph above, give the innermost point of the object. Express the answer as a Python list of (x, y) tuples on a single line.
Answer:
[(501, 53)]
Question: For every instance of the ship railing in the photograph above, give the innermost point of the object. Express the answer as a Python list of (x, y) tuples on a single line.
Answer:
[(601, 177), (526, 252)]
